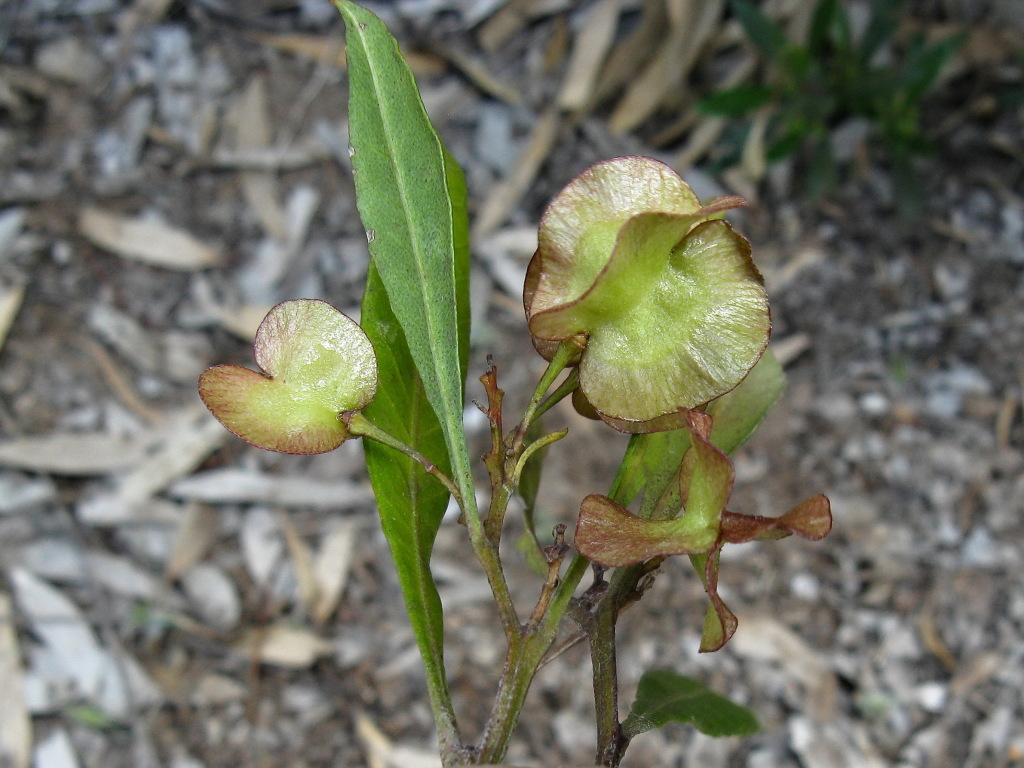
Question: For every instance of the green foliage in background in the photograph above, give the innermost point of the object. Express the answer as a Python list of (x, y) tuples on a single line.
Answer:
[(835, 74)]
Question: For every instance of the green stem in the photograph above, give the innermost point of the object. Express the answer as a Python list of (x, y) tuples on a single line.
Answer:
[(361, 426), (503, 492), (563, 354), (485, 552), (606, 688), (526, 645), (522, 661), (563, 390), (537, 445), (611, 743)]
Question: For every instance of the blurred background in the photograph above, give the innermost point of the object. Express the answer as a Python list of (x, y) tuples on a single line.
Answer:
[(170, 169)]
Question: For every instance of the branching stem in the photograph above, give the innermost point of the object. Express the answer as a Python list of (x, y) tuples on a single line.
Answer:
[(361, 426)]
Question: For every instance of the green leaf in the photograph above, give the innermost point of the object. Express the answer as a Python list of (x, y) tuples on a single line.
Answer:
[(403, 194), (736, 102), (738, 413), (881, 26), (822, 171), (665, 697), (529, 487), (761, 30), (924, 63), (650, 464), (456, 183), (410, 502), (91, 717), (830, 33)]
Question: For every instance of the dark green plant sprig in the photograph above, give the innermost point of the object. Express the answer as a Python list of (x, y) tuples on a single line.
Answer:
[(811, 86)]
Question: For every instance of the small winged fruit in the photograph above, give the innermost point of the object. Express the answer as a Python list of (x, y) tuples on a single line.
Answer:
[(671, 307), (317, 363)]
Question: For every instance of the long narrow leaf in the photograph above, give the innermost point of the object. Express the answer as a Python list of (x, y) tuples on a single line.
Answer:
[(762, 31), (410, 502), (458, 195), (402, 192)]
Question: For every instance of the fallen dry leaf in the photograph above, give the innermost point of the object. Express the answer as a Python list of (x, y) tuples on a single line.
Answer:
[(283, 645), (15, 725), (10, 303), (302, 563), (72, 453), (193, 539), (250, 120), (662, 77), (763, 638), (331, 569), (149, 241), (236, 486), (505, 196), (588, 55)]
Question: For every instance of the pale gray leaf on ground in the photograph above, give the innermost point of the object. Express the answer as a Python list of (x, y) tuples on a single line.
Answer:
[(148, 240), (764, 639), (10, 302), (126, 335), (184, 760), (60, 626), (73, 453), (12, 220), (125, 688), (20, 492), (214, 596), (55, 751), (283, 645), (236, 486), (506, 253), (381, 751), (251, 124), (71, 61), (821, 745), (194, 536), (457, 585), (117, 149), (263, 547), (105, 676), (588, 55), (54, 559), (300, 558), (147, 522), (65, 560), (215, 689), (275, 257), (331, 566), (187, 438)]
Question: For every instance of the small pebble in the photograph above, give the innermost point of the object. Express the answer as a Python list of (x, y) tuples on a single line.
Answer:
[(979, 548), (805, 586), (932, 697), (874, 404)]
